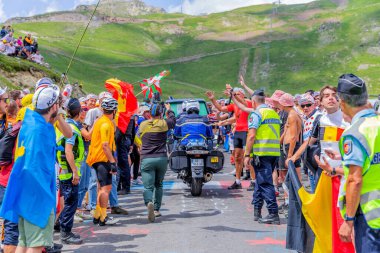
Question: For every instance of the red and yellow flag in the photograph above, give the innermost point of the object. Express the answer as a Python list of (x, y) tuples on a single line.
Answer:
[(127, 102)]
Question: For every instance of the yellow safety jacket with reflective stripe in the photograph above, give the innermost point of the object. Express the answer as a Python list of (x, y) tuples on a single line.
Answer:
[(267, 141), (78, 150), (367, 132)]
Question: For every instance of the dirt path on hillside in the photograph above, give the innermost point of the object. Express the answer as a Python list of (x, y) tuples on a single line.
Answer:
[(144, 64)]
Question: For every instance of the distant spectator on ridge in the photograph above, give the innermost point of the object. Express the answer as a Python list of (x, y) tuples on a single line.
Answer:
[(3, 32)]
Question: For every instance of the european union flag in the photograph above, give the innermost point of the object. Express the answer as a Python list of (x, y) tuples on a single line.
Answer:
[(31, 190)]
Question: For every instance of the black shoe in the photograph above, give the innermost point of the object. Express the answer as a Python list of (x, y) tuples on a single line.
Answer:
[(118, 210), (247, 175), (256, 214), (58, 246), (53, 249), (108, 221), (123, 192), (283, 209), (96, 221), (235, 186), (251, 186), (271, 219), (70, 238)]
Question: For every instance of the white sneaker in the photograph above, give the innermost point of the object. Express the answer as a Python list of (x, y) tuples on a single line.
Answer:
[(137, 181), (108, 221), (83, 215), (151, 216), (77, 218)]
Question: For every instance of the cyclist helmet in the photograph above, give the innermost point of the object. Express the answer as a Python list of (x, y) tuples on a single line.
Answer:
[(109, 104), (192, 106), (43, 82)]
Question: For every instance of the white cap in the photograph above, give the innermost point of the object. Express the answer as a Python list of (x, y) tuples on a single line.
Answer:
[(237, 89), (43, 82), (3, 90), (46, 97), (82, 99), (104, 94), (91, 96)]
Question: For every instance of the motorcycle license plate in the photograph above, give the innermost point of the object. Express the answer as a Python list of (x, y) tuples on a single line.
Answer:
[(214, 159), (197, 162)]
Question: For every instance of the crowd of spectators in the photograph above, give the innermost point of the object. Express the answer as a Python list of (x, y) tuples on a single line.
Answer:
[(25, 48)]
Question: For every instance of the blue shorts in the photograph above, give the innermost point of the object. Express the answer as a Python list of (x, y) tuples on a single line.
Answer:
[(10, 233)]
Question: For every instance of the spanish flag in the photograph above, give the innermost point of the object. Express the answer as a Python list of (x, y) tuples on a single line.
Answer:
[(127, 102), (314, 218)]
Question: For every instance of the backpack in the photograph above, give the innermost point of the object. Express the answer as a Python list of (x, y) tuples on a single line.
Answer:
[(8, 143)]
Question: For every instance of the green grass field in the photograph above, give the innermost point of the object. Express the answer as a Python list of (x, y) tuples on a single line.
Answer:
[(307, 46)]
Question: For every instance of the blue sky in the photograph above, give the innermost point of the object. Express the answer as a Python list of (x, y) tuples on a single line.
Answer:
[(17, 8)]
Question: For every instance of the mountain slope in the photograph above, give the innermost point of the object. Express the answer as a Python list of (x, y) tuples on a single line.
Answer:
[(298, 47)]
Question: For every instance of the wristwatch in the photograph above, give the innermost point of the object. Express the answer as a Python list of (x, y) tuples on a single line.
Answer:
[(348, 218), (333, 172)]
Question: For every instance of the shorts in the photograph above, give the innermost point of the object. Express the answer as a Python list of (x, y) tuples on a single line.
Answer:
[(281, 160), (103, 173), (31, 236), (10, 233), (240, 139), (285, 149)]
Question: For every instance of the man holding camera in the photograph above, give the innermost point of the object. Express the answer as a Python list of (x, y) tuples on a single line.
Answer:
[(102, 159)]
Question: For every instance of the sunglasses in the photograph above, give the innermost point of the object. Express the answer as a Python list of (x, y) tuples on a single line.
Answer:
[(6, 100), (307, 105)]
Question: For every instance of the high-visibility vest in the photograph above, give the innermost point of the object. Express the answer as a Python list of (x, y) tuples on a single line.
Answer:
[(367, 132), (78, 150), (267, 140)]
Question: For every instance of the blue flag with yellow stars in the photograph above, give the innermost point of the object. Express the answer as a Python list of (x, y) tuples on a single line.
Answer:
[(31, 190)]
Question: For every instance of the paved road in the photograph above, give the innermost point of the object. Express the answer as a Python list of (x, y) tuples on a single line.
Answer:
[(218, 221)]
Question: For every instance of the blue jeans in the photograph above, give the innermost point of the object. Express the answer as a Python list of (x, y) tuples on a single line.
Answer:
[(264, 189), (93, 190), (70, 195), (114, 202), (10, 228), (367, 240), (312, 181), (84, 182)]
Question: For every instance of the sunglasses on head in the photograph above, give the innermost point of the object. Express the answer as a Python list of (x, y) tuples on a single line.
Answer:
[(6, 100), (307, 105)]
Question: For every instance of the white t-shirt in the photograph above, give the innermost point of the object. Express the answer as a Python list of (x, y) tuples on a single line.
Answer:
[(37, 58), (308, 125), (92, 115), (10, 50), (331, 128)]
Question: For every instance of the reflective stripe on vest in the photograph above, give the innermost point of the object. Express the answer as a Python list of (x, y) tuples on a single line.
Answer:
[(267, 140), (65, 172), (367, 132)]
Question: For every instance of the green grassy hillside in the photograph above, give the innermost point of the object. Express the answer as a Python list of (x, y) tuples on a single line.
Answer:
[(301, 47)]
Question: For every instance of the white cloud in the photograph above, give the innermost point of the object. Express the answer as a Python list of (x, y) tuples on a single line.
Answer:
[(52, 7), (84, 2), (3, 17), (196, 7)]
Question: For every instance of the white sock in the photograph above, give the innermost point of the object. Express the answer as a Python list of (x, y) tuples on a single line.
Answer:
[(253, 180), (287, 201), (237, 181)]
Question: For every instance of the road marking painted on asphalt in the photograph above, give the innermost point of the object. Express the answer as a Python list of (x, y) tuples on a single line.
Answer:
[(266, 241)]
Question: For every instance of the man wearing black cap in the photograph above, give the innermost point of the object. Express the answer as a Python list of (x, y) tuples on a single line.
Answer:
[(263, 145), (70, 155), (359, 201)]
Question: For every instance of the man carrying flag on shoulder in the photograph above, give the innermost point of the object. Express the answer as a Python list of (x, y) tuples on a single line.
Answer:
[(32, 201)]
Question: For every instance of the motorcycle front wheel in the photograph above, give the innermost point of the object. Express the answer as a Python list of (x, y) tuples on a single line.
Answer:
[(196, 186)]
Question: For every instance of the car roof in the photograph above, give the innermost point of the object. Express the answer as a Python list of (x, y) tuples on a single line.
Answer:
[(180, 100)]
